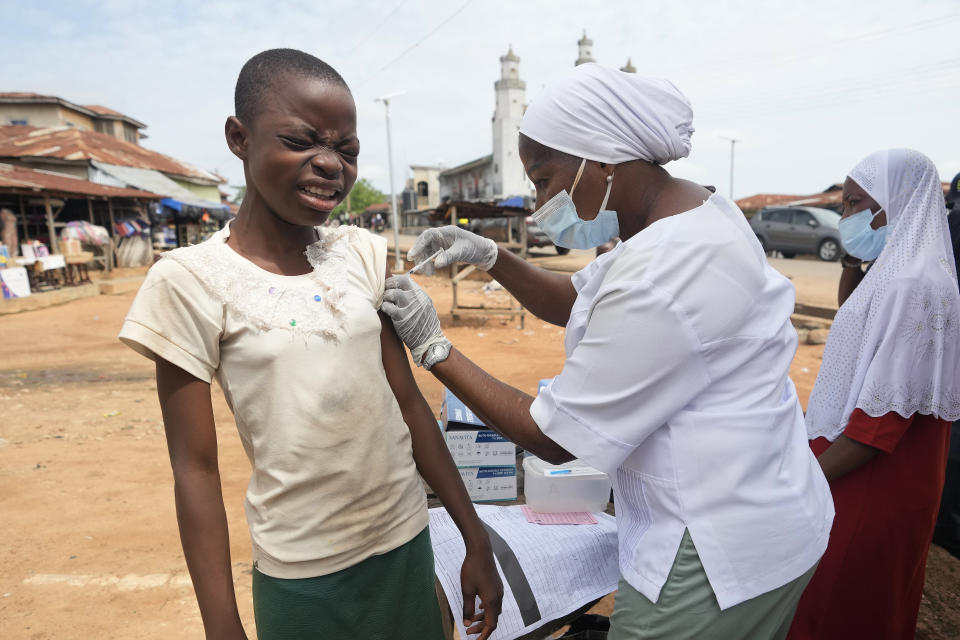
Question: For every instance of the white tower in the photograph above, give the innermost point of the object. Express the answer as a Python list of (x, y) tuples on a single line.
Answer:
[(586, 50), (509, 178)]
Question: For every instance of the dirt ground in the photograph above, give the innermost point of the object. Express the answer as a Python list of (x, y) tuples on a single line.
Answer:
[(89, 542)]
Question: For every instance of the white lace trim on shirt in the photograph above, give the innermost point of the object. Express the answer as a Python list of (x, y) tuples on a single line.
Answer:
[(302, 306)]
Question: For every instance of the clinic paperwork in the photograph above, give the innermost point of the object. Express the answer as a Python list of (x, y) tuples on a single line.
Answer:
[(547, 572)]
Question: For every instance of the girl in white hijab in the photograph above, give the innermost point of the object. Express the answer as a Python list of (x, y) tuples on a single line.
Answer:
[(880, 412)]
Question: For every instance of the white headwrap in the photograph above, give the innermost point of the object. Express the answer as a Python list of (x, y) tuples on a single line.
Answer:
[(894, 343), (606, 115)]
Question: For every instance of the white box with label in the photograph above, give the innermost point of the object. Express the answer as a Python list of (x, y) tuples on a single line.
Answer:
[(480, 448), (490, 484), (573, 486)]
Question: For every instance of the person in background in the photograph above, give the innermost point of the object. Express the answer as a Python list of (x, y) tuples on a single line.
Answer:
[(880, 411), (676, 381), (282, 312), (947, 531)]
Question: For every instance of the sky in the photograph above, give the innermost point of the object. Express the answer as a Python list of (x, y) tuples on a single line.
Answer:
[(807, 88)]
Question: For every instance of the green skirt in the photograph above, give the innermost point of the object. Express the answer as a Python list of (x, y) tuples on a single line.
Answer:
[(386, 596)]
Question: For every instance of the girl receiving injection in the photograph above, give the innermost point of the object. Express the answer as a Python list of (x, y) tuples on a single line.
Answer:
[(283, 313)]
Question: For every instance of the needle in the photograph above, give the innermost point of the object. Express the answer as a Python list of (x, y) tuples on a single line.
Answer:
[(424, 263)]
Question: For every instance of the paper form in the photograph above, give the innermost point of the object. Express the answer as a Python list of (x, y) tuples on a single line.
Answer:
[(559, 517), (552, 571)]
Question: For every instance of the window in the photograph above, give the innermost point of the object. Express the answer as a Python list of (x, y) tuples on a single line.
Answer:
[(19, 122), (802, 218), (103, 126), (778, 215), (423, 189), (130, 134)]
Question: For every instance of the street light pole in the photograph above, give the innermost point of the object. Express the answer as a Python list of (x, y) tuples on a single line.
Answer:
[(398, 262), (733, 142)]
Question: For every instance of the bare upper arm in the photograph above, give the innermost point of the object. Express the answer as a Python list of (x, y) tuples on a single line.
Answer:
[(187, 418), (395, 363)]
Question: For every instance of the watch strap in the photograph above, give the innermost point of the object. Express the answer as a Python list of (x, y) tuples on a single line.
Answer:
[(437, 353)]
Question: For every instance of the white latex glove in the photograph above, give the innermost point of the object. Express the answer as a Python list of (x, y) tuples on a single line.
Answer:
[(413, 315), (458, 245)]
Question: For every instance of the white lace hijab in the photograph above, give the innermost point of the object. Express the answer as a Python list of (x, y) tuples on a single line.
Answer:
[(894, 342)]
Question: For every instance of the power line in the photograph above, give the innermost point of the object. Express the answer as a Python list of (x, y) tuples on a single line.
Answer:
[(891, 93), (376, 28), (731, 66), (902, 86), (420, 41), (941, 70)]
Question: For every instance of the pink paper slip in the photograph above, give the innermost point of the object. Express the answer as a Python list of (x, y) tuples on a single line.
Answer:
[(565, 517)]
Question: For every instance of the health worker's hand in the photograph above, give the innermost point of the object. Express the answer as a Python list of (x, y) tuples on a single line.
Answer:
[(413, 315), (479, 578), (458, 245)]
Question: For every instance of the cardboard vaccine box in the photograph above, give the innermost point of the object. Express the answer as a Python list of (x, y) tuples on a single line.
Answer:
[(456, 415), (486, 460), (490, 484), (470, 443), (480, 448)]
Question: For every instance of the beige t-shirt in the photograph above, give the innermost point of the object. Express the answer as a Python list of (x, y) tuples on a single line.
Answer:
[(299, 361)]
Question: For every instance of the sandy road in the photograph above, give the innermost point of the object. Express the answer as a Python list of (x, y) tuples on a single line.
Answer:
[(89, 539)]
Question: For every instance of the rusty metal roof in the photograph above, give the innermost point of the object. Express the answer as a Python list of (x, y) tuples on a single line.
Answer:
[(833, 196), (23, 95), (466, 166), (762, 200), (72, 144), (94, 110), (21, 179), (104, 111)]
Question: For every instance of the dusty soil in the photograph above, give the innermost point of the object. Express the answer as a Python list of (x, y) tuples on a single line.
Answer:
[(89, 543)]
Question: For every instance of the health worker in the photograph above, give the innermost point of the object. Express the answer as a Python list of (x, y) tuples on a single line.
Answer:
[(678, 344)]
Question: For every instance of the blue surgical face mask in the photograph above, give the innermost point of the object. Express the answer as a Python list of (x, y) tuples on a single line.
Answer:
[(559, 220), (859, 238)]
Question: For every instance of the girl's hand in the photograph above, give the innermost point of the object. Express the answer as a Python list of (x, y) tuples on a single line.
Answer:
[(479, 577)]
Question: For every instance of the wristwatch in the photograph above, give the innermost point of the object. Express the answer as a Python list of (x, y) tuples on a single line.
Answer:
[(850, 261), (436, 353)]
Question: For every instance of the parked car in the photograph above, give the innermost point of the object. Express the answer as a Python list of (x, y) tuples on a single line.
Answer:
[(496, 229), (793, 230)]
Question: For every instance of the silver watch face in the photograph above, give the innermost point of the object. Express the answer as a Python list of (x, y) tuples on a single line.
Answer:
[(436, 350)]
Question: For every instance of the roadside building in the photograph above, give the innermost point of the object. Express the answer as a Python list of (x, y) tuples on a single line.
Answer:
[(498, 175), (36, 110), (190, 208), (754, 203), (425, 186), (585, 47), (45, 202), (829, 198)]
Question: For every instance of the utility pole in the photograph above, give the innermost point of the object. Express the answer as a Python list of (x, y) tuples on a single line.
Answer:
[(733, 142), (398, 262)]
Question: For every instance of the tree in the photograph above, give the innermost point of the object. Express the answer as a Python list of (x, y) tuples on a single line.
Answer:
[(362, 196), (238, 196)]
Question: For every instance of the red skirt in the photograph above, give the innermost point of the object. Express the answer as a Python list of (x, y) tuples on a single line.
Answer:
[(870, 580)]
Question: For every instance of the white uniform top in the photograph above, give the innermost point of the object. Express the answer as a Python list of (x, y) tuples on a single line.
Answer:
[(676, 384)]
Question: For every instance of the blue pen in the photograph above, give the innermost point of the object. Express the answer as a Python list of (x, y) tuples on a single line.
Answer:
[(558, 472)]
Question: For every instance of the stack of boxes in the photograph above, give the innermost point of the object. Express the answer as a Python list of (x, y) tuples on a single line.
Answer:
[(486, 460)]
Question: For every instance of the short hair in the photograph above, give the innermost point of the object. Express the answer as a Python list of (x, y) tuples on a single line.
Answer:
[(258, 75)]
